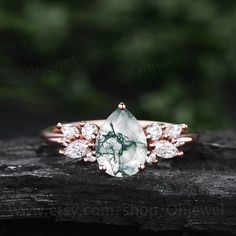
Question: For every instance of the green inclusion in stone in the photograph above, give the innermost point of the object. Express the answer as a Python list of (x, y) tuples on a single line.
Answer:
[(121, 144)]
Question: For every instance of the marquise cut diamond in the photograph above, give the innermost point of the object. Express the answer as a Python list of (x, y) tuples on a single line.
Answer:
[(77, 149), (165, 149), (69, 130), (173, 131)]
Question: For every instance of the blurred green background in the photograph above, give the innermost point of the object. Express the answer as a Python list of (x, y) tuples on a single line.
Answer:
[(172, 60)]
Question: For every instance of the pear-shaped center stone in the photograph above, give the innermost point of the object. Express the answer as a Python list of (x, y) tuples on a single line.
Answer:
[(121, 145)]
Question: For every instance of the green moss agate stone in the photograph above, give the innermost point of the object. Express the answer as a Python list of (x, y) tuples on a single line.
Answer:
[(121, 144)]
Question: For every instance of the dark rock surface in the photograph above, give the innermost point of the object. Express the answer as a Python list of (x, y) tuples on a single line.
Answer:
[(195, 193)]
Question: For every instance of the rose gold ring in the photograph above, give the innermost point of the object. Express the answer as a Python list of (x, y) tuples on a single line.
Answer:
[(121, 144)]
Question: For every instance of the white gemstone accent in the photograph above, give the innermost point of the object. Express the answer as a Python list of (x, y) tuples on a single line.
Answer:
[(165, 149), (77, 149), (69, 130), (173, 131), (151, 158), (154, 130), (88, 130), (90, 157)]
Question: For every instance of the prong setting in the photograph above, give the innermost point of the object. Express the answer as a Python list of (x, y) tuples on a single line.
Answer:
[(91, 145), (152, 158), (180, 154), (184, 127), (61, 151), (163, 126), (82, 123), (154, 162), (59, 125), (165, 136), (173, 140), (102, 168), (121, 106), (141, 167), (152, 145)]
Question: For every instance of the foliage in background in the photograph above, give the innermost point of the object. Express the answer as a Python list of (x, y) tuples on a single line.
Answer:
[(168, 60)]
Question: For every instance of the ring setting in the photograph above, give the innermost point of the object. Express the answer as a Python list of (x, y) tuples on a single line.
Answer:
[(121, 144)]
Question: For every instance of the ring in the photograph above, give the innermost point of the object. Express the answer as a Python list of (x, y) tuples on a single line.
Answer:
[(121, 144)]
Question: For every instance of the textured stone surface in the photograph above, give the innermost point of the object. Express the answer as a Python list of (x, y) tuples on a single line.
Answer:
[(194, 193)]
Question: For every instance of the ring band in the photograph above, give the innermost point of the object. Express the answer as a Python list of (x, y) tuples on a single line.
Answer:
[(54, 134), (121, 144)]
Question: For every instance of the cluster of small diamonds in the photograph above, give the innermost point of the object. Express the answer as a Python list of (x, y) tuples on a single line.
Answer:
[(163, 141), (78, 140)]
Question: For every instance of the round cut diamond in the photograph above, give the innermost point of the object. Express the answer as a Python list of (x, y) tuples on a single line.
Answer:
[(69, 130), (173, 131), (154, 130), (151, 158), (90, 157), (77, 149), (88, 130), (165, 149)]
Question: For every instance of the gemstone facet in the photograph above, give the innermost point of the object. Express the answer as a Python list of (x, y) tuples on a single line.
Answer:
[(69, 130), (89, 129), (155, 130), (165, 149), (77, 149), (173, 131), (121, 145), (152, 158)]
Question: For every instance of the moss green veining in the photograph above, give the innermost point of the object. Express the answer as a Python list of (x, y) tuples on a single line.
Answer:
[(115, 154), (121, 144)]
